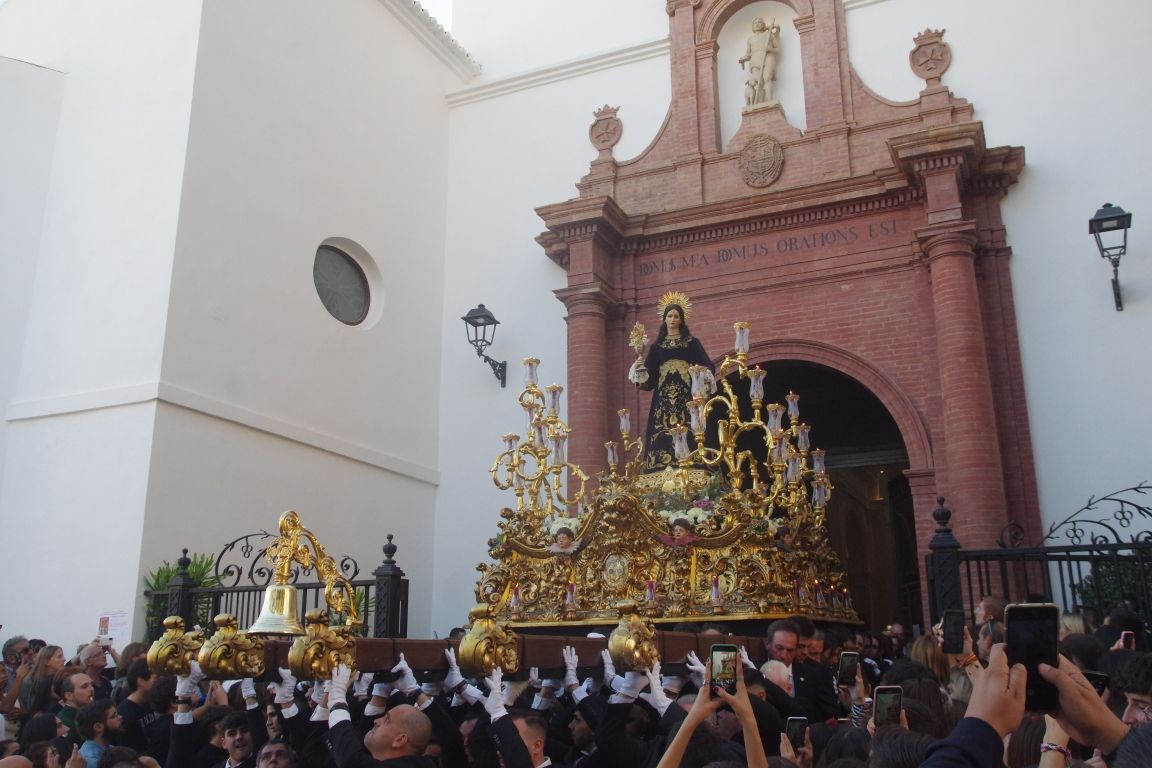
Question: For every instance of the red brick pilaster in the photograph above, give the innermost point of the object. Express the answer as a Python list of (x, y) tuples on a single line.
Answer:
[(974, 482), (587, 375)]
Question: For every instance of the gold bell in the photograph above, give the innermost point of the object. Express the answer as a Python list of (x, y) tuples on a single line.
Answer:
[(279, 615)]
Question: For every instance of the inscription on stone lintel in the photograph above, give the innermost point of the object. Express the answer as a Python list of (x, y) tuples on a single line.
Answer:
[(767, 247)]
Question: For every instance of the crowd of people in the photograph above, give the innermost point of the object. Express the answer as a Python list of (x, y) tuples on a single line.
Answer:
[(105, 709)]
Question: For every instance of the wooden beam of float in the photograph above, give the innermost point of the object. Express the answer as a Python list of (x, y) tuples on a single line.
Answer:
[(426, 657)]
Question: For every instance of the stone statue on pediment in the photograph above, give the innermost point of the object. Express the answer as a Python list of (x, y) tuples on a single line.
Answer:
[(760, 55)]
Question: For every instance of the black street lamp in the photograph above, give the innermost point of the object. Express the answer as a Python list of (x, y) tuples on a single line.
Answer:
[(1110, 227), (480, 325)]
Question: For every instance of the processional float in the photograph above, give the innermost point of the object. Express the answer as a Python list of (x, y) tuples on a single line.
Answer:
[(728, 530)]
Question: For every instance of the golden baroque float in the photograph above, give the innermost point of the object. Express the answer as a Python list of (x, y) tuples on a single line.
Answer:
[(754, 547)]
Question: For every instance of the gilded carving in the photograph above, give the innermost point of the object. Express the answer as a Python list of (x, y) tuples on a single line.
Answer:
[(322, 648), (230, 654), (173, 652), (487, 645)]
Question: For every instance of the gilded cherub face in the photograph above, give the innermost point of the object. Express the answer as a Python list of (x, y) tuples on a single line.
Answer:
[(679, 532), (563, 540)]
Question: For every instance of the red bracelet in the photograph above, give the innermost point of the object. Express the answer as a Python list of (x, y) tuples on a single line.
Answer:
[(1050, 747)]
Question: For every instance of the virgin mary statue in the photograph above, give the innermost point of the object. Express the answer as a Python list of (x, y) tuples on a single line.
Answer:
[(665, 370)]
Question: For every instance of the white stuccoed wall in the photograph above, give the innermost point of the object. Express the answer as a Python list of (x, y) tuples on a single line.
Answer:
[(76, 468), (335, 128), (32, 96)]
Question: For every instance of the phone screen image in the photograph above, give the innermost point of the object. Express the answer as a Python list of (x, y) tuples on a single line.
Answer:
[(795, 729), (846, 672), (1033, 632), (1128, 640), (888, 701), (725, 661), (953, 632)]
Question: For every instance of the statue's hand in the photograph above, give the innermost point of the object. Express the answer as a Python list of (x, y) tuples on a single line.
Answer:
[(638, 374)]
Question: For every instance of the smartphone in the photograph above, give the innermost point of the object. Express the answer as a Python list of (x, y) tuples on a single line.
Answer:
[(1128, 640), (725, 663), (796, 729), (953, 632), (888, 700), (1099, 680), (105, 641), (846, 672), (1033, 631)]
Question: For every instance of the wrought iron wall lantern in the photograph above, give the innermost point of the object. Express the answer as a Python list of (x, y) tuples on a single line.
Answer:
[(481, 324), (1110, 228)]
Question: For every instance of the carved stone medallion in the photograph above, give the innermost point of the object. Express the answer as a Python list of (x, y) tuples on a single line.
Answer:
[(931, 56), (761, 160), (607, 129)]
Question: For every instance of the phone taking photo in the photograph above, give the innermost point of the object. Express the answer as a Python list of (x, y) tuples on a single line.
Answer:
[(846, 670), (796, 729), (1128, 640), (1033, 635), (725, 663), (953, 632), (1099, 680), (887, 702)]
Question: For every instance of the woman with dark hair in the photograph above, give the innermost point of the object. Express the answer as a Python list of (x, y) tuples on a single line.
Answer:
[(665, 370), (36, 693), (131, 653)]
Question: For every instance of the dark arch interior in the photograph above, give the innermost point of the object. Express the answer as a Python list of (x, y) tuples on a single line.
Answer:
[(871, 507)]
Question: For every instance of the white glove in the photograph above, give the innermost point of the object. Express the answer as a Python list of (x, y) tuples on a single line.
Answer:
[(634, 682), (285, 687), (453, 678), (747, 662), (382, 690), (638, 374), (571, 660), (360, 689), (407, 681), (187, 686), (248, 688), (318, 691), (657, 698), (432, 689), (696, 669), (609, 667), (534, 677), (494, 701), (672, 683), (472, 694), (338, 689)]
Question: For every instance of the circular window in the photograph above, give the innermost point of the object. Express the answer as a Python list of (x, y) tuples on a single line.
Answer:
[(341, 285)]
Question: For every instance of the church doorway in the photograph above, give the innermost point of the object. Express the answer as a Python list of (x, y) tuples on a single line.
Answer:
[(870, 518)]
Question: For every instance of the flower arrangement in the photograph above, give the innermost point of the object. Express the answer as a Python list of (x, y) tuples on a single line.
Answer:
[(699, 508)]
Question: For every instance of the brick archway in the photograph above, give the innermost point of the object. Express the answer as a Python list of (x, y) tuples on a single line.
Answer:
[(899, 405)]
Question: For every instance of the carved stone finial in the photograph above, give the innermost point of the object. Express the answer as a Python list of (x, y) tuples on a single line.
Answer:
[(606, 130), (389, 551), (931, 56)]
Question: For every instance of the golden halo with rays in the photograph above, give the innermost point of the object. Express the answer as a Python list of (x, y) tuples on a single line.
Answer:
[(675, 297)]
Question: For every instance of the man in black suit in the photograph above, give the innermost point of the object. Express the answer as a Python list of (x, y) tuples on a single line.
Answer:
[(813, 685), (397, 739)]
